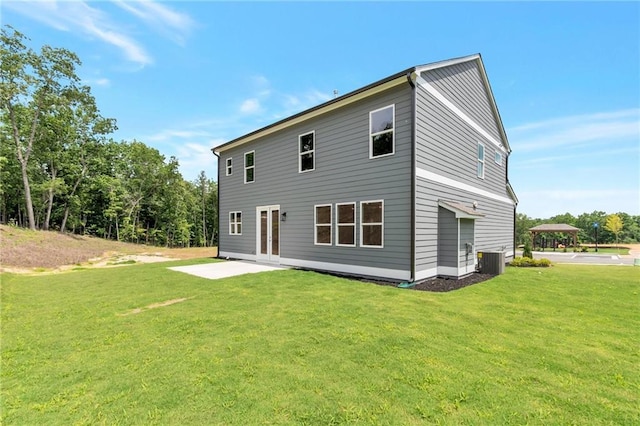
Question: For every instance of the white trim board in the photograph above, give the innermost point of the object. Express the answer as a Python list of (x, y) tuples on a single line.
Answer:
[(434, 177), (426, 273), (395, 274), (232, 255), (457, 111)]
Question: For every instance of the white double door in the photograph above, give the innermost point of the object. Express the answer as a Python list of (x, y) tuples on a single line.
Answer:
[(268, 233)]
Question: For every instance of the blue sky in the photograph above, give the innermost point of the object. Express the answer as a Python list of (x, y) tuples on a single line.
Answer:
[(186, 76)]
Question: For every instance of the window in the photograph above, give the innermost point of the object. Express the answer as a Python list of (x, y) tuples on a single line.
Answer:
[(381, 125), (229, 166), (306, 150), (346, 224), (481, 161), (249, 167), (323, 225), (498, 157), (372, 224), (235, 223)]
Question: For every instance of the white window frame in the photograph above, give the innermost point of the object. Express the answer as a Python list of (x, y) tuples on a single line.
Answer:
[(481, 163), (233, 223), (300, 153), (250, 167), (352, 224), (393, 132), (498, 158), (371, 223), (229, 164), (316, 224)]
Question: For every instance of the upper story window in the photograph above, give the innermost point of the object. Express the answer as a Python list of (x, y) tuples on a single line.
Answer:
[(372, 224), (498, 157), (322, 225), (381, 132), (346, 224), (307, 152), (229, 166), (249, 167), (480, 161), (235, 223)]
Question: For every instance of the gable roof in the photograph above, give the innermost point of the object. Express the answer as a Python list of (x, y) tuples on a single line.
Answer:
[(407, 75), (554, 227)]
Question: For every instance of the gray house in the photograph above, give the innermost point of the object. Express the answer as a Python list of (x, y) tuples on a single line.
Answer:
[(404, 179)]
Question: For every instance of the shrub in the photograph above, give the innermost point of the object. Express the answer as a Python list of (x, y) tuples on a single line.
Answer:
[(526, 262), (526, 252)]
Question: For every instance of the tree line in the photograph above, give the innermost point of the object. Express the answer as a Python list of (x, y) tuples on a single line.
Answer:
[(611, 228), (59, 170)]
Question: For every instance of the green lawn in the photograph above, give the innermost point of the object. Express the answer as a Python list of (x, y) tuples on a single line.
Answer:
[(534, 346)]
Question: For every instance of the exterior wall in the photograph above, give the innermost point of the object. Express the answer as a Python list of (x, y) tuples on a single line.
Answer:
[(447, 135), (343, 173), (447, 238)]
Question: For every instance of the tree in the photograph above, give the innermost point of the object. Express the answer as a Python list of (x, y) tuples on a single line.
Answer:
[(31, 84), (614, 225)]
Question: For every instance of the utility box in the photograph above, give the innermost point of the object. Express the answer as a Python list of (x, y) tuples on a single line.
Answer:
[(491, 262)]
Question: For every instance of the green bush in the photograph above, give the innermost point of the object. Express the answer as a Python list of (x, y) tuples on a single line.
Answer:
[(526, 252), (527, 262)]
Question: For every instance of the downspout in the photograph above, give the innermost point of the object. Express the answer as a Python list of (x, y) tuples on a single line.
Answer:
[(515, 206), (410, 77), (218, 201)]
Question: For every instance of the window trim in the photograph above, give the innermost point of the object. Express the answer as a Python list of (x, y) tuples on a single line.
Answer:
[(229, 164), (300, 153), (315, 225), (353, 224), (233, 224), (250, 167), (481, 161), (393, 133), (371, 223), (498, 158)]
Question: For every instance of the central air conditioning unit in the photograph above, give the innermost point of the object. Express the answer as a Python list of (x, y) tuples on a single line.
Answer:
[(491, 262)]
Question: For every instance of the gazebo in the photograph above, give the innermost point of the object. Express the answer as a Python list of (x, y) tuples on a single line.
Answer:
[(556, 227)]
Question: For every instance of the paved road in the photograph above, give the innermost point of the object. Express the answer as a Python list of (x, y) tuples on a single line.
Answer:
[(584, 258)]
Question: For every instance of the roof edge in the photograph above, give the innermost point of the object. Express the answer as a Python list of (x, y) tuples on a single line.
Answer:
[(385, 83)]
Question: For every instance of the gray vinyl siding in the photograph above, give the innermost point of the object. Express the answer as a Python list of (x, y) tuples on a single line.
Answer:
[(343, 173), (463, 85), (448, 146), (447, 238), (493, 231)]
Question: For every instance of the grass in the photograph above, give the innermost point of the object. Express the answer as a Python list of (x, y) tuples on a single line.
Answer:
[(552, 346)]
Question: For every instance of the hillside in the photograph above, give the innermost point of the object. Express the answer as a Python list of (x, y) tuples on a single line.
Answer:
[(24, 249)]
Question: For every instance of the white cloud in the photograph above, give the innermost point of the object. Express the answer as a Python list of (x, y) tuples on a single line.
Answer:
[(81, 17), (602, 128), (250, 106), (78, 16), (174, 24)]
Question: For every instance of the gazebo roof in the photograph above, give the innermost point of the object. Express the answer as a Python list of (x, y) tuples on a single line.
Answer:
[(554, 227)]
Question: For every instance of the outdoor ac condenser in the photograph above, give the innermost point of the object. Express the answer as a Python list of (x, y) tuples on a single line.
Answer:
[(491, 262)]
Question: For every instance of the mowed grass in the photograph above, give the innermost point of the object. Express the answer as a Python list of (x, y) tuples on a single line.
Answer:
[(534, 346)]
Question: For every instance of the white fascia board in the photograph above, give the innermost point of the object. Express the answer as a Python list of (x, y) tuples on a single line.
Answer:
[(446, 63), (395, 274), (434, 177), (314, 113)]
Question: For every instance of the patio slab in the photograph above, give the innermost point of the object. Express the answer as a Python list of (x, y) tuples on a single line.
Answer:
[(232, 268)]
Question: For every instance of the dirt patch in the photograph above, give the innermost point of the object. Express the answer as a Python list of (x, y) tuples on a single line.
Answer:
[(154, 306), (25, 251)]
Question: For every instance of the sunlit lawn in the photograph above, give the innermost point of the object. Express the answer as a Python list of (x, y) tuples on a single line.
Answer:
[(534, 346)]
